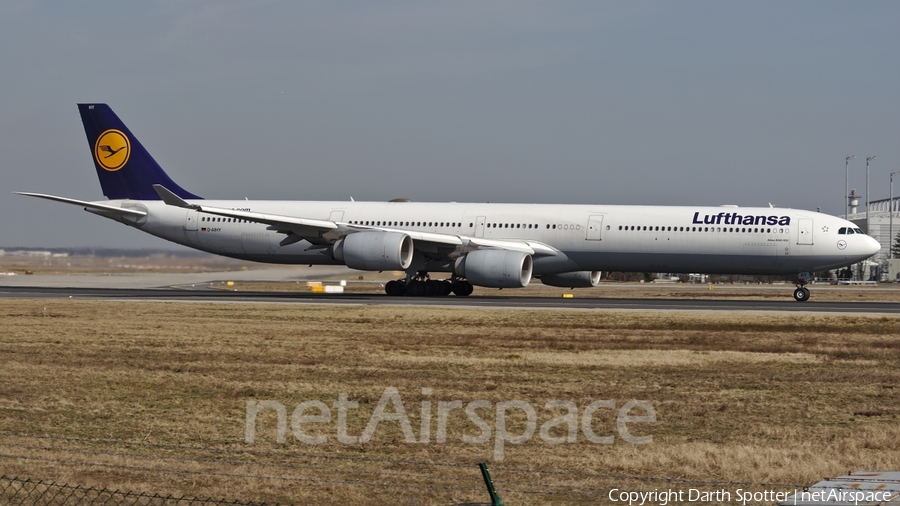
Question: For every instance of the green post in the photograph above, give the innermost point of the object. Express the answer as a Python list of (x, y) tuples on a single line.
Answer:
[(495, 498)]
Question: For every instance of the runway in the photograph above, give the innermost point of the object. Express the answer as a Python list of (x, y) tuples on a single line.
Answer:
[(519, 302)]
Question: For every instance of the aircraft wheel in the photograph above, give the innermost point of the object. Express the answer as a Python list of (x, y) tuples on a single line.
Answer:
[(446, 288), (461, 288), (801, 294), (432, 288), (415, 289), (394, 288)]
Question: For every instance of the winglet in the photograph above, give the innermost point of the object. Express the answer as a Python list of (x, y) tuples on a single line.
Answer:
[(171, 199)]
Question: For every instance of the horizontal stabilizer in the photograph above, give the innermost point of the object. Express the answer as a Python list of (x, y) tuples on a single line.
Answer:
[(92, 206)]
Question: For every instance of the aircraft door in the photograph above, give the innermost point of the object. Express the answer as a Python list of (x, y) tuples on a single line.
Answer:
[(190, 220), (594, 228), (479, 227), (336, 216), (805, 231)]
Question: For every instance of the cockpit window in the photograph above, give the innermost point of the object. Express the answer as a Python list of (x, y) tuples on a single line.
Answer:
[(842, 231), (858, 231)]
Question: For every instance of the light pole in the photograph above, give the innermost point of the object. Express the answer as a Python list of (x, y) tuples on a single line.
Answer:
[(868, 228), (847, 186), (891, 211)]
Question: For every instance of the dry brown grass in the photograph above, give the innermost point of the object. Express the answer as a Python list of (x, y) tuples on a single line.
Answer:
[(741, 397)]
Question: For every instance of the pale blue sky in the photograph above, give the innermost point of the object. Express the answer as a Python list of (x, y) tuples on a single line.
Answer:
[(681, 103)]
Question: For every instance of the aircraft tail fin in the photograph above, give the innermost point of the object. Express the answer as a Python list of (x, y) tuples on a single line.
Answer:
[(126, 170)]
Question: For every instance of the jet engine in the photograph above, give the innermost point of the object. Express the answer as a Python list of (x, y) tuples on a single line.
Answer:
[(375, 251), (495, 268), (580, 279)]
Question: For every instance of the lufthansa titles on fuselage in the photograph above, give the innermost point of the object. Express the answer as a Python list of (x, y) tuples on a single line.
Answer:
[(724, 218)]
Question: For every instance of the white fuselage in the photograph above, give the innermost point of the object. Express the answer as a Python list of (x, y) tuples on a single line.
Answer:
[(588, 237)]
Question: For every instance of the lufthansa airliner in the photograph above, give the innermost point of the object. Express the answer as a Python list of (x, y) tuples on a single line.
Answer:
[(488, 245)]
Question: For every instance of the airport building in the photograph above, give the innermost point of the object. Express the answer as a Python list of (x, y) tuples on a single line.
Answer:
[(879, 227)]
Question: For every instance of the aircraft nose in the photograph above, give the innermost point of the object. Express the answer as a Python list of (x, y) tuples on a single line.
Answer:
[(872, 246)]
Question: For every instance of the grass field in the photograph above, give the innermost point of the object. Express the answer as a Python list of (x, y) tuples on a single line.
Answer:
[(152, 397)]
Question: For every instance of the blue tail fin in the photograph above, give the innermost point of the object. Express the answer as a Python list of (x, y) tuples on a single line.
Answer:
[(126, 170)]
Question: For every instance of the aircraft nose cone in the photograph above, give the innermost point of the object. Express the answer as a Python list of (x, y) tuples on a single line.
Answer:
[(872, 246)]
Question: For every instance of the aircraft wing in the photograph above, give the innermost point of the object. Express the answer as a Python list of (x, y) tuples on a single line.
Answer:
[(275, 220), (90, 206), (315, 230), (423, 240), (296, 228)]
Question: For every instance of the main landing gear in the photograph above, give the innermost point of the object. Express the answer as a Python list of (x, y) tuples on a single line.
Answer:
[(801, 294), (420, 285)]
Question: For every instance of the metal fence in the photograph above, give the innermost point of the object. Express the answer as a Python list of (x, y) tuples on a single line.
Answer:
[(14, 491)]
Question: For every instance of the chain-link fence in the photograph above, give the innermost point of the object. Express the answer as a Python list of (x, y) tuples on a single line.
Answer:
[(14, 491)]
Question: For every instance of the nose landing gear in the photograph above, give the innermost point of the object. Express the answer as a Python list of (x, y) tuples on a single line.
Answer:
[(801, 294)]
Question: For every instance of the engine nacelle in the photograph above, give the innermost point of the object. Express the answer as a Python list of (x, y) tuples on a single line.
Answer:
[(495, 268), (580, 279), (375, 251)]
